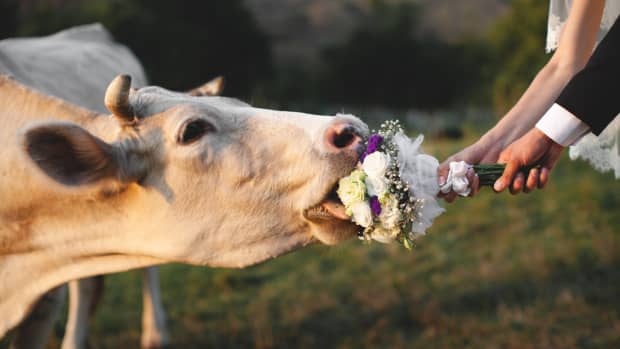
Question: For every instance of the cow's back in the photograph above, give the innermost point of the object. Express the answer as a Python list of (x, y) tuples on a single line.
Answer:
[(75, 65)]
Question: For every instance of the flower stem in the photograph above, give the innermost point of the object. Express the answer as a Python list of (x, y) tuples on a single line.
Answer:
[(489, 173)]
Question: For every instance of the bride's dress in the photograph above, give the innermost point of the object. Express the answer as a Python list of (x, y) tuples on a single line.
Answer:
[(603, 152)]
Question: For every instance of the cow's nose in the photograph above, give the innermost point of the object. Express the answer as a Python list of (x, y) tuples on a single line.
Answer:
[(343, 136)]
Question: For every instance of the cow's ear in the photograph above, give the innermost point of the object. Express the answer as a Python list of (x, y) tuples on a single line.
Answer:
[(211, 88), (72, 156)]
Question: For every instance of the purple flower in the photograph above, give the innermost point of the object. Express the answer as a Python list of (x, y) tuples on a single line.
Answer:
[(374, 142), (375, 206)]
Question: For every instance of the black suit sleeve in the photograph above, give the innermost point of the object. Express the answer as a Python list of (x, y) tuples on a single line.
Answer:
[(593, 95)]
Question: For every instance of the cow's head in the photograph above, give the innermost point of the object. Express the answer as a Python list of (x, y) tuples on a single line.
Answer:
[(221, 182)]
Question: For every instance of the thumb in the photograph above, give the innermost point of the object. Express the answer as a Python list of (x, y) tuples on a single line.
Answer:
[(512, 167)]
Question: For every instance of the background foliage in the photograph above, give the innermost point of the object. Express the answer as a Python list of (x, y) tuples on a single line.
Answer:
[(388, 60), (385, 62), (180, 45), (517, 41)]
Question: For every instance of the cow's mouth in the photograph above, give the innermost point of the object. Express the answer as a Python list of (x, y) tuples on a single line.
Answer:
[(329, 209)]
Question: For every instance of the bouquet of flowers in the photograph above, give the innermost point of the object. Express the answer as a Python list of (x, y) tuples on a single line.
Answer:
[(392, 194)]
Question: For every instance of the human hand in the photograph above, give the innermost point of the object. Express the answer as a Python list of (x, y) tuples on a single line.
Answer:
[(483, 151), (533, 149)]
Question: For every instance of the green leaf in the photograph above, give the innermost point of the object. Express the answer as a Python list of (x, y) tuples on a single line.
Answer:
[(408, 244)]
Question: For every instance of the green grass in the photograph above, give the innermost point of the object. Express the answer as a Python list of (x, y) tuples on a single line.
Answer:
[(533, 271)]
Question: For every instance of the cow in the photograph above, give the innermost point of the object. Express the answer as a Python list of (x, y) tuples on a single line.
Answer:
[(87, 57), (167, 177)]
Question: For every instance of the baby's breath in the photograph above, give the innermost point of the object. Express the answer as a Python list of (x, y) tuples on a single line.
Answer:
[(408, 206)]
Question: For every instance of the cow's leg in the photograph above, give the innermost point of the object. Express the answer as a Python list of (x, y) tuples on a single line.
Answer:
[(154, 330), (84, 295), (35, 330)]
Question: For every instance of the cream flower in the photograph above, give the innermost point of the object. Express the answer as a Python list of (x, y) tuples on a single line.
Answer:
[(360, 213), (352, 189), (390, 214), (376, 164), (383, 235)]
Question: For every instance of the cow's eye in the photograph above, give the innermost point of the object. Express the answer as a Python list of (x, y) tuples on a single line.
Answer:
[(194, 130)]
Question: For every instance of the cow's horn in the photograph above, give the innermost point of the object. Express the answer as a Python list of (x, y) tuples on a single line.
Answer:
[(117, 99)]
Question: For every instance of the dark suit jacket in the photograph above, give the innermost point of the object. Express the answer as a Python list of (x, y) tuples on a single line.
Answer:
[(593, 95)]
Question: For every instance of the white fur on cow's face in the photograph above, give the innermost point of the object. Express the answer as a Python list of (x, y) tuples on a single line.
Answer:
[(238, 194), (133, 196)]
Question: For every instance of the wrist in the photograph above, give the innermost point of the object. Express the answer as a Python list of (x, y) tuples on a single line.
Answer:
[(562, 126), (544, 138)]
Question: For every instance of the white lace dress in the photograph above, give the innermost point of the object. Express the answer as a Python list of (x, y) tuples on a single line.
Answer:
[(603, 152)]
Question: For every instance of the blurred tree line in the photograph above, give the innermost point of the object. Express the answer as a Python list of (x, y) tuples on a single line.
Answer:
[(385, 62), (517, 42)]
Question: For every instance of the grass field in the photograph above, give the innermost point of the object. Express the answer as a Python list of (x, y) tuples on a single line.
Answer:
[(533, 271)]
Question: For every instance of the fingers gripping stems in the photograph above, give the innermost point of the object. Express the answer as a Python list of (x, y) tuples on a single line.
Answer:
[(465, 180)]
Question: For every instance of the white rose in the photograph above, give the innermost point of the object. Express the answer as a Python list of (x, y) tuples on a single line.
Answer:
[(376, 186), (376, 164), (384, 235), (390, 214), (361, 213)]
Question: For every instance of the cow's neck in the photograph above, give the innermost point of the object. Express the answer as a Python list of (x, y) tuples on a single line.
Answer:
[(50, 235), (43, 248)]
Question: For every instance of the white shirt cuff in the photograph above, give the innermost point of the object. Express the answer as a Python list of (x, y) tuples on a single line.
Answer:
[(562, 126)]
